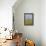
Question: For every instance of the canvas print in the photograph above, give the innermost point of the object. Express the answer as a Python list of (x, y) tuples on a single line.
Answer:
[(28, 18)]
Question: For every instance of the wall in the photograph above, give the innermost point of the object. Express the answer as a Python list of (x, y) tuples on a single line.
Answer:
[(6, 13), (43, 22), (29, 32)]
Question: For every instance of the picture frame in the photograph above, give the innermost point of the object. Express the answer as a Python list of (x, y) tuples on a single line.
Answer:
[(28, 19)]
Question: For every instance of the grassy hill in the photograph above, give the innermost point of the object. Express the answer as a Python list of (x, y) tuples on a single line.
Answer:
[(28, 22)]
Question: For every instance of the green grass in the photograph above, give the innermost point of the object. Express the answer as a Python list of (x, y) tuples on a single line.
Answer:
[(28, 22)]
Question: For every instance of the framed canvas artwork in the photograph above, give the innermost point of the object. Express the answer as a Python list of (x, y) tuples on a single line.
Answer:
[(28, 19)]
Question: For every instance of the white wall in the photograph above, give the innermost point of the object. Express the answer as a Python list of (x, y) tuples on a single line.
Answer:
[(43, 22), (6, 13), (31, 32)]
